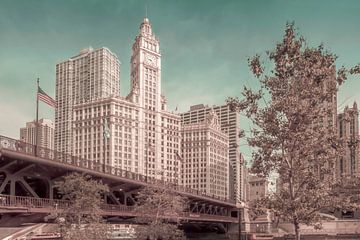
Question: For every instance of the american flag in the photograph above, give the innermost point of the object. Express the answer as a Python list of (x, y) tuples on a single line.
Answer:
[(41, 95)]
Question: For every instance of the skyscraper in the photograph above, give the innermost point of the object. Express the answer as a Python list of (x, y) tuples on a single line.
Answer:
[(205, 164), (230, 124), (348, 130), (45, 133), (159, 129), (90, 75)]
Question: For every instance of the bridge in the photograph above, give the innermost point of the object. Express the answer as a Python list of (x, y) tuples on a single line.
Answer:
[(31, 205), (28, 174)]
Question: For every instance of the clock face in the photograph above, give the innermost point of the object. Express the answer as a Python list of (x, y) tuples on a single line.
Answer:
[(151, 60)]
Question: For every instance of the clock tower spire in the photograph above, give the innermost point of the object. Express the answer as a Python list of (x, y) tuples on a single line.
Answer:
[(146, 68)]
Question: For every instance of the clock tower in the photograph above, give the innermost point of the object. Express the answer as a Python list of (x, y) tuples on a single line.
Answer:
[(146, 69), (146, 93)]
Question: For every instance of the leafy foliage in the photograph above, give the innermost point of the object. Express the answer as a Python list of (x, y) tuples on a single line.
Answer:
[(159, 211), (294, 132), (348, 188), (82, 218)]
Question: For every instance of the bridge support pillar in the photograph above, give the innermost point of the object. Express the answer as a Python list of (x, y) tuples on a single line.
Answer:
[(4, 183), (113, 198), (130, 197), (51, 189), (12, 187), (16, 183), (243, 225)]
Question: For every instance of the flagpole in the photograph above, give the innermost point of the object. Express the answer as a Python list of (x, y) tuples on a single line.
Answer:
[(37, 117)]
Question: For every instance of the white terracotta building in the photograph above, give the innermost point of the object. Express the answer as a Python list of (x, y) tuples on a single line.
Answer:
[(230, 124), (205, 150)]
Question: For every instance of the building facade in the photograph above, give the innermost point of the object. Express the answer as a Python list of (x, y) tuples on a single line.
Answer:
[(45, 133), (159, 129), (348, 130), (205, 162), (90, 75), (230, 124), (107, 131), (257, 187)]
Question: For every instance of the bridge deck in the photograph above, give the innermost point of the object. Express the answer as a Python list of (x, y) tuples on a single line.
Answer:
[(19, 204), (15, 149)]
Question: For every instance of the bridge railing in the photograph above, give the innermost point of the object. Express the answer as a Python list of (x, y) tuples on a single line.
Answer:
[(31, 202), (37, 151), (116, 208), (55, 204), (28, 204)]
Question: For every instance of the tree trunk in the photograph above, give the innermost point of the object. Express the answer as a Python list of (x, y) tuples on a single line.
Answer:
[(297, 229)]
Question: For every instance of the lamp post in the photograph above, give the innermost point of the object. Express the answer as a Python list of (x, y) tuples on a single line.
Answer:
[(161, 173), (107, 136), (240, 222), (177, 174), (240, 207), (148, 146), (212, 183), (61, 222)]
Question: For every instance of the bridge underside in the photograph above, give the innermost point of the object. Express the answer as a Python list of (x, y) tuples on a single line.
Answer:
[(24, 178), (28, 178)]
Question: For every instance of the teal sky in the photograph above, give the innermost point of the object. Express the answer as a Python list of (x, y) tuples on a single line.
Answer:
[(204, 45)]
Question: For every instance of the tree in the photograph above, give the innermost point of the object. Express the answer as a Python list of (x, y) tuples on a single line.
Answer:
[(294, 133), (348, 189), (82, 218), (159, 210)]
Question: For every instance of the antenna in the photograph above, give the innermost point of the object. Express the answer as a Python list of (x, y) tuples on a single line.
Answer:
[(146, 10)]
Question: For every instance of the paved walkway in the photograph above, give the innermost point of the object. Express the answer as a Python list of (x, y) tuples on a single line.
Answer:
[(7, 231)]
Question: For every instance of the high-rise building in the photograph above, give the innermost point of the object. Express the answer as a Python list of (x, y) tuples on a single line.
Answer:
[(45, 136), (159, 129), (205, 162), (90, 75), (107, 131), (135, 132), (348, 130), (230, 124)]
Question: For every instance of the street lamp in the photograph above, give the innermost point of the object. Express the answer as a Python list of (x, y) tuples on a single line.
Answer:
[(61, 222), (212, 182), (107, 135), (148, 146), (177, 173), (240, 206)]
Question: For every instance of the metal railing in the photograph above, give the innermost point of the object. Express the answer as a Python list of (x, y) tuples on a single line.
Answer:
[(67, 159), (32, 204), (16, 202)]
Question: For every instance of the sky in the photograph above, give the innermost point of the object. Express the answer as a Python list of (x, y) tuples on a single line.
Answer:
[(205, 45)]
